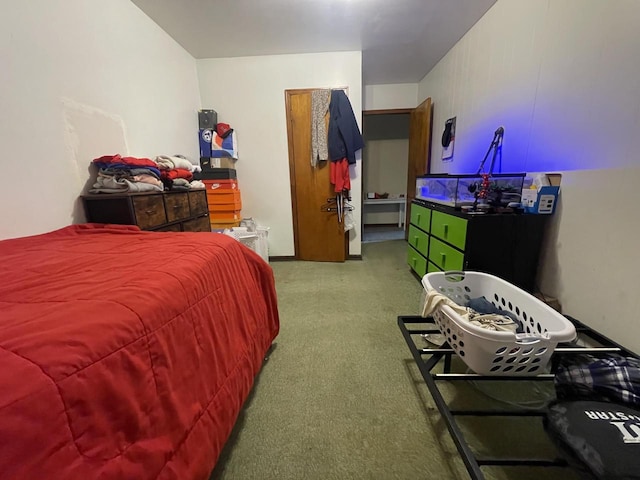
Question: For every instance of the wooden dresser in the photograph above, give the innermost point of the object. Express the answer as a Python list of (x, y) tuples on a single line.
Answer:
[(157, 211)]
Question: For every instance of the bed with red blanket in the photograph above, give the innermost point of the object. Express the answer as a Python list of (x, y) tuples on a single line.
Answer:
[(127, 354)]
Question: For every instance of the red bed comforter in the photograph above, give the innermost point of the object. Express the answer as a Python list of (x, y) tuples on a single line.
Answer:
[(126, 354)]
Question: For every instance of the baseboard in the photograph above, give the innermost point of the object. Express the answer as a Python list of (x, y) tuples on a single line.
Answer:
[(290, 258), (381, 225)]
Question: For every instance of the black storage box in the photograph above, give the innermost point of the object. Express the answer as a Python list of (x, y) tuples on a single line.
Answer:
[(216, 174), (207, 164), (207, 119)]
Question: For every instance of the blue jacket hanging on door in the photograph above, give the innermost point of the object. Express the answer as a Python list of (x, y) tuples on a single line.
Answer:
[(343, 138)]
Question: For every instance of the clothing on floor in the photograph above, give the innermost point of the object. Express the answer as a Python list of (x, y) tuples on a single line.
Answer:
[(344, 138), (339, 174), (319, 106), (612, 378)]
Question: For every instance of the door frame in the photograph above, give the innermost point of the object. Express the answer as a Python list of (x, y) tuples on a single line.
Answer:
[(288, 93), (387, 111), (292, 167), (422, 147)]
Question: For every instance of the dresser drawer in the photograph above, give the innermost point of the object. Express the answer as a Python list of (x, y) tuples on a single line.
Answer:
[(449, 228), (418, 240), (444, 256), (198, 202), (177, 205), (149, 210), (432, 268), (417, 262), (420, 217), (197, 225)]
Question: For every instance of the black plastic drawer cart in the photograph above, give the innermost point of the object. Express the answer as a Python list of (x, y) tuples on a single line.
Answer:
[(428, 358)]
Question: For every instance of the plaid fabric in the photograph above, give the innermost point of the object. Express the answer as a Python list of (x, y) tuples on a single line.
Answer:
[(585, 377)]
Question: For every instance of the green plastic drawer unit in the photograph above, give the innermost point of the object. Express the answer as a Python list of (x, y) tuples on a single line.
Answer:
[(444, 256), (420, 217), (432, 268), (451, 229), (417, 262), (419, 240)]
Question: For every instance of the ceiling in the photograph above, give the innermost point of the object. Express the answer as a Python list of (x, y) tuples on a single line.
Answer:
[(401, 40)]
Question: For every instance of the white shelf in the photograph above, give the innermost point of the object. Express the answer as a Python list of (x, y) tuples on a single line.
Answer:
[(401, 202)]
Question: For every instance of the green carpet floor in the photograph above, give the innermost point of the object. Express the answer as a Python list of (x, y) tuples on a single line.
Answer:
[(340, 396)]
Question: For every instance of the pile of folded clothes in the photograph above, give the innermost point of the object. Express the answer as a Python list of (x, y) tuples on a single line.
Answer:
[(176, 172), (126, 174)]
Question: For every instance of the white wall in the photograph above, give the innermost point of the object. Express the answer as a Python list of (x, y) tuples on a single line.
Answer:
[(384, 163), (560, 76), (385, 171), (557, 74), (591, 260), (78, 80), (384, 97), (248, 94)]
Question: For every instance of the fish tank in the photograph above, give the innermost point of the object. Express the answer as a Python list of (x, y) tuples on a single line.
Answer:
[(460, 190)]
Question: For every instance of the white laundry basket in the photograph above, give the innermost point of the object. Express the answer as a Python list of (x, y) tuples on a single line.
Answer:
[(255, 240), (491, 352), (262, 247)]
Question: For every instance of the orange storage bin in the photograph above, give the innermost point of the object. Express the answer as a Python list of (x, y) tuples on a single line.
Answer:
[(220, 184), (215, 197), (225, 216), (223, 225), (225, 207)]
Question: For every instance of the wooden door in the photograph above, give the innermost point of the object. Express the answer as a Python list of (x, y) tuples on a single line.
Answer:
[(419, 150), (318, 235)]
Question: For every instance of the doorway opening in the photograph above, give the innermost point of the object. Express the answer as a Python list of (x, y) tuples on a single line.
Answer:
[(384, 174)]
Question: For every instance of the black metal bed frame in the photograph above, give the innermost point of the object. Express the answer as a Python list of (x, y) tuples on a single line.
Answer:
[(445, 353)]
